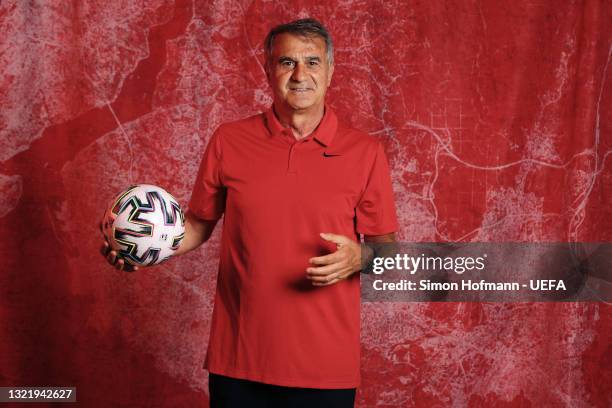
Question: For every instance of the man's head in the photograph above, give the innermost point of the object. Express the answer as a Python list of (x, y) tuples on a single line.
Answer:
[(299, 64)]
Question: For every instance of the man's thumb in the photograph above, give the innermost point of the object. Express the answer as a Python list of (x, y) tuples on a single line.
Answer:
[(336, 239)]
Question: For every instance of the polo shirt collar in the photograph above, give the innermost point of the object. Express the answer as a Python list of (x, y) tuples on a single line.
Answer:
[(324, 133)]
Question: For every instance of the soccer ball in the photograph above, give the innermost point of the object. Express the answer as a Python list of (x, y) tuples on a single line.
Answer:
[(144, 224)]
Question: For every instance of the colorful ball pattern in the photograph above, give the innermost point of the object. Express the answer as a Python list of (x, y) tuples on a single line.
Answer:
[(144, 224)]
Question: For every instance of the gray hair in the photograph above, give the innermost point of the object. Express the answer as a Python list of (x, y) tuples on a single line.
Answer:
[(306, 27)]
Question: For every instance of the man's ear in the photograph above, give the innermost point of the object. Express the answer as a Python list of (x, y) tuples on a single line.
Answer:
[(331, 74), (266, 66)]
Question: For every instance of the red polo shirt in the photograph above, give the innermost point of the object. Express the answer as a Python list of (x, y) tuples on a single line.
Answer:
[(269, 323)]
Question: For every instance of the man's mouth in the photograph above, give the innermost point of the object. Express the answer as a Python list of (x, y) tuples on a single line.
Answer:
[(299, 89)]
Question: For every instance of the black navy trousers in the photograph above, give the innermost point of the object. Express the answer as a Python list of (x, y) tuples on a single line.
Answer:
[(227, 392)]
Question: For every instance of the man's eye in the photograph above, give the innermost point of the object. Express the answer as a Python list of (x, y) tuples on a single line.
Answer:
[(287, 63), (313, 63)]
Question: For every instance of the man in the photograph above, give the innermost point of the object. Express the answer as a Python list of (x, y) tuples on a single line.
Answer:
[(297, 188)]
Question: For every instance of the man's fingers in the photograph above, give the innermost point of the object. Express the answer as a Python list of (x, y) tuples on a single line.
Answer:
[(111, 257), (326, 283), (330, 279), (326, 259), (325, 278), (325, 270), (340, 274), (333, 267), (127, 267), (335, 238), (115, 260), (104, 249)]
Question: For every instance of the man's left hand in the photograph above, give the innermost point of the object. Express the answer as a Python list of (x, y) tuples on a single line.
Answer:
[(338, 265)]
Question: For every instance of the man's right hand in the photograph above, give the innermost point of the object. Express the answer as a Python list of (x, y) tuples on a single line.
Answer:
[(197, 231), (112, 258)]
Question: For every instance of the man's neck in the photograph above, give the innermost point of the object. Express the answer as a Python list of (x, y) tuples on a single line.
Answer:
[(303, 123)]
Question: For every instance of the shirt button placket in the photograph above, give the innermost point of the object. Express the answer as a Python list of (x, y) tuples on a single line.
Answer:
[(293, 159), (291, 156), (291, 165)]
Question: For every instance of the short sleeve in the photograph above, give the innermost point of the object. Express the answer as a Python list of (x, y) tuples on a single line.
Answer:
[(375, 212), (208, 196)]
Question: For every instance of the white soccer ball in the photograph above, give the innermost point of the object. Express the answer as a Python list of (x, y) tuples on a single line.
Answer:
[(144, 224)]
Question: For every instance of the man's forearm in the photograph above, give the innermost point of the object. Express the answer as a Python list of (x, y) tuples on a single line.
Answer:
[(369, 247), (197, 231)]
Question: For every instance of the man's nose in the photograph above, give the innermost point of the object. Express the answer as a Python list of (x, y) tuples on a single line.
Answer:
[(299, 72)]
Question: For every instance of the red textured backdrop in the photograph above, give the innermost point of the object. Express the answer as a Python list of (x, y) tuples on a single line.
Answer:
[(496, 116)]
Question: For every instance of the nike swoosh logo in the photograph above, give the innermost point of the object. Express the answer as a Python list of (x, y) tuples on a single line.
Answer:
[(325, 154)]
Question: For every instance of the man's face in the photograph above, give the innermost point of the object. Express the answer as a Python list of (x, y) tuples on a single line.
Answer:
[(298, 71)]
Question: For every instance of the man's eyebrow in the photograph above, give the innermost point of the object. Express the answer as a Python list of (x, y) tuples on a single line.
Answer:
[(284, 58)]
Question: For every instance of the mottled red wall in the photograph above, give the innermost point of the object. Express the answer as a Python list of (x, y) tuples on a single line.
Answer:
[(496, 116)]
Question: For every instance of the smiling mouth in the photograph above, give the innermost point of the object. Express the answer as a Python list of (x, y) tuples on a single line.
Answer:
[(299, 89)]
